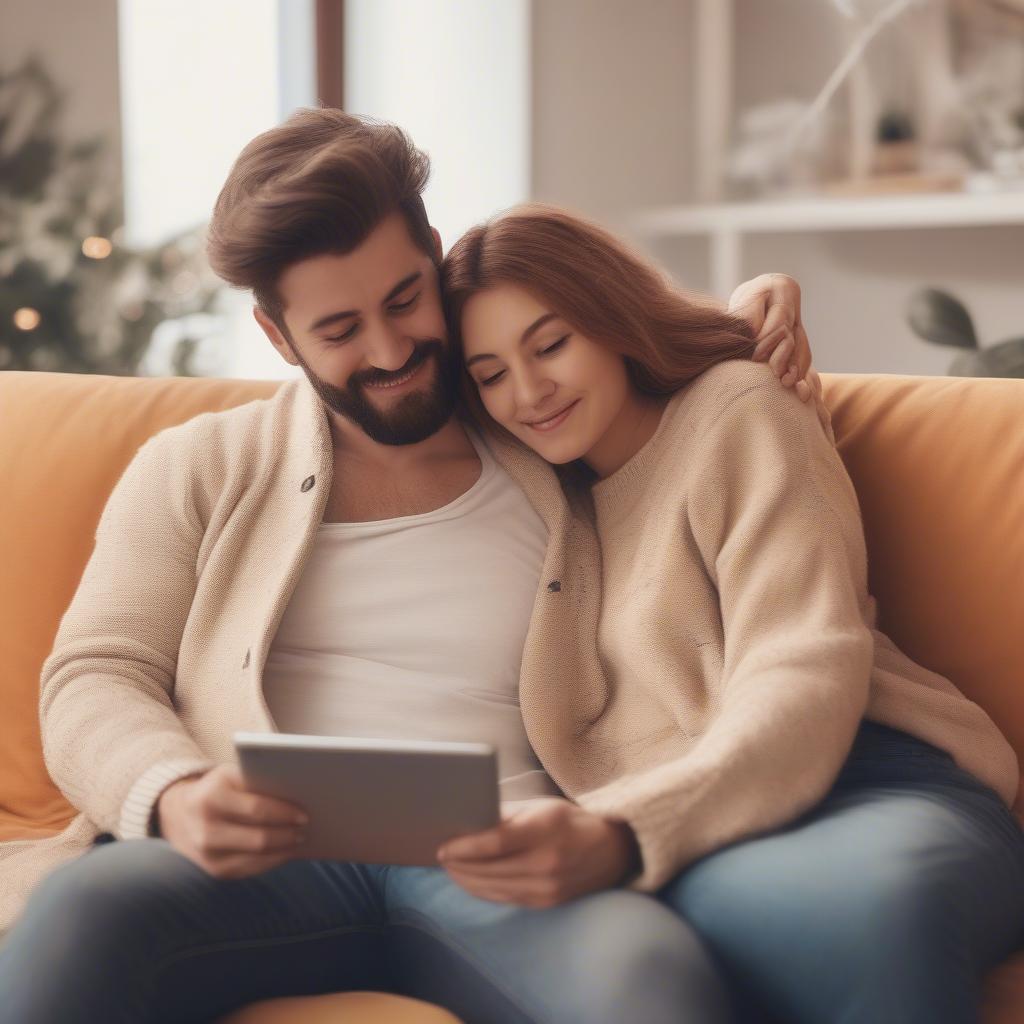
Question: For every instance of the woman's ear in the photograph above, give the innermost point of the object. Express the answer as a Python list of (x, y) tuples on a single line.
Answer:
[(438, 249)]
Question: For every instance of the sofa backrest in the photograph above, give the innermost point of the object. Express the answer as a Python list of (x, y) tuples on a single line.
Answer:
[(64, 441), (938, 464)]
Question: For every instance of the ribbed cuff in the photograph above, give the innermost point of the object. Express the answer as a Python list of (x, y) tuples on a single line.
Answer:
[(138, 806), (650, 827)]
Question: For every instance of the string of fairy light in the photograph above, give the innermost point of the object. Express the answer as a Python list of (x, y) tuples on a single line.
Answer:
[(95, 248)]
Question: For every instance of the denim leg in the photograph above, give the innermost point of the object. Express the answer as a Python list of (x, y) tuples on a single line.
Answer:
[(133, 931), (604, 958), (886, 902)]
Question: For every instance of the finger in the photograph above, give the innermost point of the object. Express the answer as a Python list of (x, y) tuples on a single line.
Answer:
[(793, 295), (802, 353), (517, 865), (779, 315), (767, 343), (228, 838), (750, 294), (245, 865), (250, 808), (803, 390), (780, 359), (751, 307), (525, 891), (518, 833)]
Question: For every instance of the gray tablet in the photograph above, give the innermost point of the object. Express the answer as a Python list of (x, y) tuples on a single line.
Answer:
[(375, 801)]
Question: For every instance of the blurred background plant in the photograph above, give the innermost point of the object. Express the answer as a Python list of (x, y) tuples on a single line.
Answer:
[(73, 298)]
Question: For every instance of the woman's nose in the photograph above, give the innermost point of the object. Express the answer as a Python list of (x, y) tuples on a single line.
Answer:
[(532, 389)]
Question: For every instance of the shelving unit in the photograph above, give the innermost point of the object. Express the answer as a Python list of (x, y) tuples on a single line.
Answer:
[(726, 224)]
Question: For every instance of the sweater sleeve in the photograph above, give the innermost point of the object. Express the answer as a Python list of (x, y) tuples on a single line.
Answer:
[(112, 741), (777, 523)]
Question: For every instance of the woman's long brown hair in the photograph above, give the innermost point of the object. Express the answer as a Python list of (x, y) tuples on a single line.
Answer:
[(609, 294)]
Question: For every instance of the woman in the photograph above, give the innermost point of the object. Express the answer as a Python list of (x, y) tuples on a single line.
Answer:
[(832, 817)]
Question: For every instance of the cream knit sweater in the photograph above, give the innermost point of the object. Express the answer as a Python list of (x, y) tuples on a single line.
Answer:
[(714, 695), (738, 631)]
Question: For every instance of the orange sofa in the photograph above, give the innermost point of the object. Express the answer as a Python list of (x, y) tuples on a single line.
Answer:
[(938, 464)]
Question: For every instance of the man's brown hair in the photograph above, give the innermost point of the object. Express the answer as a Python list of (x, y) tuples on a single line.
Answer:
[(318, 183)]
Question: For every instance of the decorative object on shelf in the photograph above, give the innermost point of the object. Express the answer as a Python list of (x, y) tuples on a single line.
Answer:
[(769, 157), (935, 93), (810, 121), (72, 297), (941, 318), (896, 149)]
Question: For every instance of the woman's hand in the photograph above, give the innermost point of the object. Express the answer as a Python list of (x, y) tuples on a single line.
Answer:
[(544, 852), (771, 305)]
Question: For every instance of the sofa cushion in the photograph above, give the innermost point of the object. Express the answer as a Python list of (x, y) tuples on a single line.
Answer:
[(65, 438), (938, 466), (341, 1008)]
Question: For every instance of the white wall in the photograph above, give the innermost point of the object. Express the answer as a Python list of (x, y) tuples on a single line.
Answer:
[(611, 92), (455, 74), (78, 45)]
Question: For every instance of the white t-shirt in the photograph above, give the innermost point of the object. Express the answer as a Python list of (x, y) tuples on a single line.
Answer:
[(413, 628)]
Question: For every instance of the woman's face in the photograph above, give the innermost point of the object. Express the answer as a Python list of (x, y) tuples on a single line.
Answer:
[(542, 380)]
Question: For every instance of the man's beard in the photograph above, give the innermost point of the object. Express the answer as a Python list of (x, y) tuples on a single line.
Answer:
[(411, 418)]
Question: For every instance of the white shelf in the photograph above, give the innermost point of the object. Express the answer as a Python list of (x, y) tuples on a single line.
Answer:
[(826, 213), (726, 223)]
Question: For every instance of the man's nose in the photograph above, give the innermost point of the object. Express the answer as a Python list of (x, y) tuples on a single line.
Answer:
[(387, 348)]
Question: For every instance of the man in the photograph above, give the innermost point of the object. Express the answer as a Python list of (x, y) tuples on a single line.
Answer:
[(345, 557)]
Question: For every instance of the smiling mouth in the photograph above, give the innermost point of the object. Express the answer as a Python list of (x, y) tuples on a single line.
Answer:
[(553, 421), (399, 381)]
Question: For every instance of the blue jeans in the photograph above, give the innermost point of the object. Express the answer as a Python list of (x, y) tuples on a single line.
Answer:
[(886, 902)]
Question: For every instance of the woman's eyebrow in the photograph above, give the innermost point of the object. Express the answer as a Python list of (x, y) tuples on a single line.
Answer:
[(532, 329)]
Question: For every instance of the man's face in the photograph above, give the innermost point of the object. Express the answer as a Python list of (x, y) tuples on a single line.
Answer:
[(368, 330)]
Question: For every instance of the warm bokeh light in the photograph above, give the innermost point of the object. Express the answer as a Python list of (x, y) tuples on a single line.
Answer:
[(97, 248), (26, 318)]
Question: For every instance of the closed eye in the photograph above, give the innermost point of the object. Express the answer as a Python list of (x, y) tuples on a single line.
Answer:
[(344, 337), (557, 345), (554, 347), (401, 307)]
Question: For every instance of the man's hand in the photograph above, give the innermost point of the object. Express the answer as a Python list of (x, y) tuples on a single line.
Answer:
[(544, 852), (229, 831), (771, 305)]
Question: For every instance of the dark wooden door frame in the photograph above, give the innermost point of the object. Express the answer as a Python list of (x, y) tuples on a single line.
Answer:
[(330, 52)]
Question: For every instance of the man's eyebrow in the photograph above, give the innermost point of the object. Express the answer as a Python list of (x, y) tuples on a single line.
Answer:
[(331, 318), (402, 285), (532, 329)]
